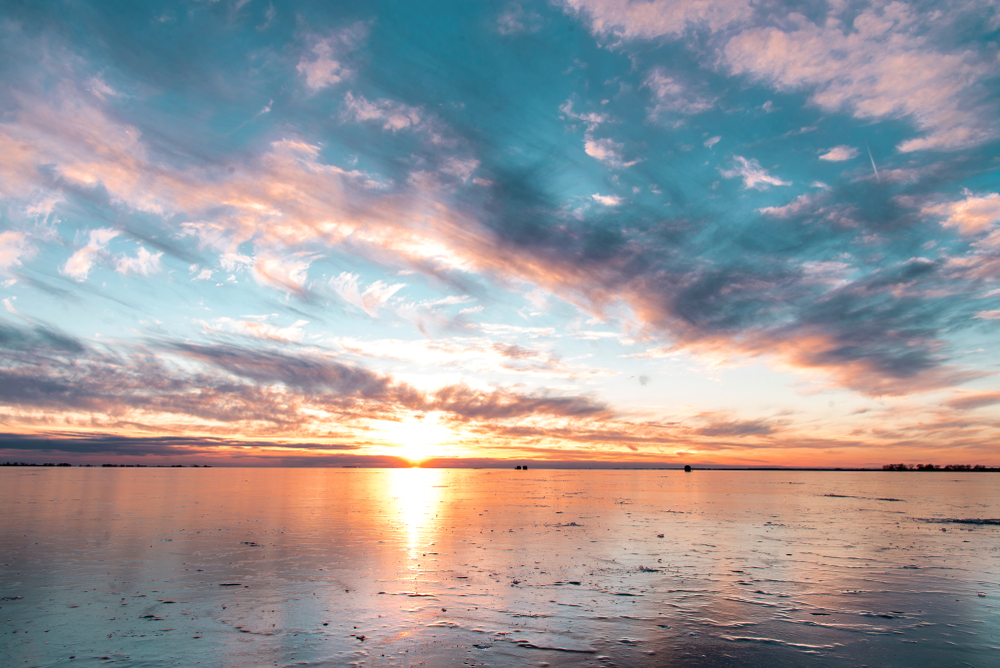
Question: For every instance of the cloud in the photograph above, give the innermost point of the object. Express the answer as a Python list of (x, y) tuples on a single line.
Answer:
[(204, 273), (592, 119), (461, 168), (175, 447), (500, 405), (671, 95), (607, 151), (302, 372), (289, 394), (754, 176), (881, 65), (314, 373), (284, 202), (286, 198), (840, 153), (607, 200), (767, 306), (144, 263), (285, 206), (973, 215), (323, 66), (394, 116), (987, 315), (37, 340), (737, 428), (373, 297), (802, 204), (257, 329), (79, 264), (964, 401), (13, 248), (477, 356), (712, 141), (880, 62), (515, 21), (284, 272), (648, 19)]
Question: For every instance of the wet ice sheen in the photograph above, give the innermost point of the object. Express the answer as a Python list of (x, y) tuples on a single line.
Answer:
[(252, 567)]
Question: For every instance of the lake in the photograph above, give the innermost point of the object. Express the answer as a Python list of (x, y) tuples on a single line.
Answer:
[(452, 567)]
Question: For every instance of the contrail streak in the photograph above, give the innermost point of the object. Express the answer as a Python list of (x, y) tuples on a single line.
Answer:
[(873, 162)]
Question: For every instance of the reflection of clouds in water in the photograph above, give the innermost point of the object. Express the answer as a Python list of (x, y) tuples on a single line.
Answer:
[(416, 495)]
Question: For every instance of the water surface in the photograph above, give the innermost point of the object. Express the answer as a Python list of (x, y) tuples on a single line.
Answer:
[(409, 567)]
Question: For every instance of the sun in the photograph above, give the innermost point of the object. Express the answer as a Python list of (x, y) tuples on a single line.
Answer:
[(418, 439)]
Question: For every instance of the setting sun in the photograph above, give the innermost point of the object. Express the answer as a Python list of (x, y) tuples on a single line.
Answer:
[(418, 439)]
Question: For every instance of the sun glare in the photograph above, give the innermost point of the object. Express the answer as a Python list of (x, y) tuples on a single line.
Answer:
[(418, 439)]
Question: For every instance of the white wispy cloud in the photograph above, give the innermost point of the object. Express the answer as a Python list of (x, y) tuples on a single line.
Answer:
[(232, 261), (144, 263), (257, 329), (371, 299), (801, 204), (13, 248), (754, 176), (101, 89), (514, 20), (79, 264), (672, 95), (200, 273), (592, 119)]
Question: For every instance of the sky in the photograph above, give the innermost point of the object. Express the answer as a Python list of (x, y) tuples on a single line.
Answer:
[(578, 232)]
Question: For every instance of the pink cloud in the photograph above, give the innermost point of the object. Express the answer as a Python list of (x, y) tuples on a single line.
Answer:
[(881, 68), (258, 329), (878, 63), (323, 65), (647, 19), (394, 116), (840, 154), (972, 215), (285, 272), (607, 151), (970, 400)]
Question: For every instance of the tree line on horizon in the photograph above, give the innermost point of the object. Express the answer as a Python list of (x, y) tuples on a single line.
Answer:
[(936, 467)]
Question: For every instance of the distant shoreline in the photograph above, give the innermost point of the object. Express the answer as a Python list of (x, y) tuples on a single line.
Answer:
[(534, 466)]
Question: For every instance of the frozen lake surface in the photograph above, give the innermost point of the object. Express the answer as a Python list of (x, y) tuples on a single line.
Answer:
[(408, 567)]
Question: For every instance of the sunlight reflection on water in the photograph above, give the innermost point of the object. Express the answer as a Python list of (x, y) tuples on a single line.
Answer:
[(416, 492), (395, 567)]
